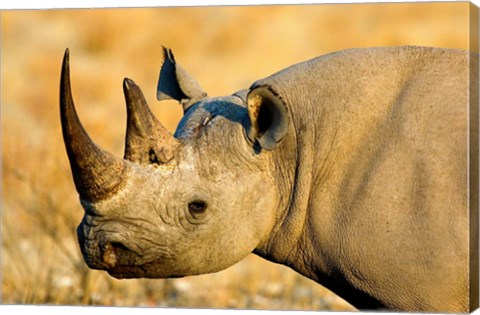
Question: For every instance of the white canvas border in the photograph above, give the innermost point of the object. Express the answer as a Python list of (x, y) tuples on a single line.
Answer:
[(58, 4)]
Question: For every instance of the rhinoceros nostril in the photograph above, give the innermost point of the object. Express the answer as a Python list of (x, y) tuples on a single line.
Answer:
[(109, 258)]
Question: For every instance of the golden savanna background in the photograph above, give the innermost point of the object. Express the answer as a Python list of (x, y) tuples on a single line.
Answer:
[(225, 49)]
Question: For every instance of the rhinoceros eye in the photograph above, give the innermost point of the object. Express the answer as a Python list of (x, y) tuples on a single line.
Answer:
[(197, 207), (152, 157)]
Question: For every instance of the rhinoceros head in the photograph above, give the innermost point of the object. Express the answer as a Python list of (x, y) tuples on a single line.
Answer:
[(192, 203)]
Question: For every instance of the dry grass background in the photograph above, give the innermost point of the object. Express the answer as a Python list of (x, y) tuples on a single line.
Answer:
[(226, 49)]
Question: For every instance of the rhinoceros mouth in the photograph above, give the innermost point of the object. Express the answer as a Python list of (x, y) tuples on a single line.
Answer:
[(127, 272), (149, 270), (122, 263)]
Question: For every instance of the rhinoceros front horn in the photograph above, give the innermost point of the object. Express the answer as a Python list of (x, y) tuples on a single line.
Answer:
[(147, 141), (96, 173)]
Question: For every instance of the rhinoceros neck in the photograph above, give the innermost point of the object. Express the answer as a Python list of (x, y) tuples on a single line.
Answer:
[(293, 164), (349, 163), (338, 104)]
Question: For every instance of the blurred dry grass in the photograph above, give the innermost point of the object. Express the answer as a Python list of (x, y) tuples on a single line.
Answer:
[(226, 49)]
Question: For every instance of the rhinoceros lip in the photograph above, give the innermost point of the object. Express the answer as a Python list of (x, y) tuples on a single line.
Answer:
[(126, 272), (144, 271)]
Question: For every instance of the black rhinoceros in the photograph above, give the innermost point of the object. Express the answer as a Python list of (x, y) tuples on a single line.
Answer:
[(350, 168)]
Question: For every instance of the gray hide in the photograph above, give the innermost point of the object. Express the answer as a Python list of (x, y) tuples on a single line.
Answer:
[(350, 168)]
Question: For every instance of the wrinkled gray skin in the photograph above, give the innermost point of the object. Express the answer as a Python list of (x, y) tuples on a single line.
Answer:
[(350, 168)]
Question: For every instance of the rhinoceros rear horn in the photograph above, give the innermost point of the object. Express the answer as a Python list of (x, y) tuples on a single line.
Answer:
[(96, 173), (147, 141)]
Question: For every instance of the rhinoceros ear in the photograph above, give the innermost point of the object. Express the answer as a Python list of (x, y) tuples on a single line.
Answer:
[(175, 83), (268, 117)]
